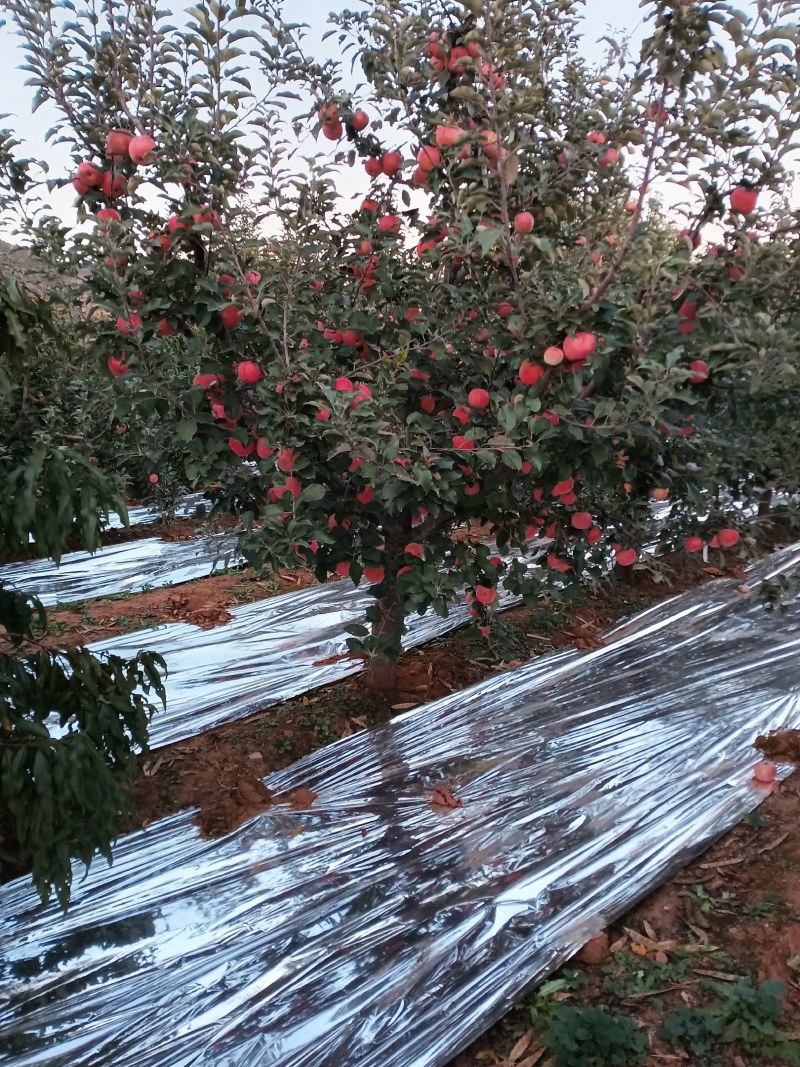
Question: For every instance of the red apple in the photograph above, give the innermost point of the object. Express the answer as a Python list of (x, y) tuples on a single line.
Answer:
[(89, 174), (765, 772), (728, 538), (114, 185), (414, 549), (248, 372), (463, 444), (391, 163), (360, 120), (530, 373), (334, 131), (140, 149), (129, 325), (374, 575), (352, 338), (700, 371), (429, 158), (108, 214), (609, 158), (743, 200), (694, 544), (418, 177), (581, 520), (174, 224), (343, 385), (484, 594), (118, 367), (231, 316), (553, 356), (462, 414), (366, 496), (523, 222), (478, 398), (626, 557), (564, 488), (117, 142), (579, 346), (239, 449), (153, 479), (373, 167), (389, 224), (447, 136)]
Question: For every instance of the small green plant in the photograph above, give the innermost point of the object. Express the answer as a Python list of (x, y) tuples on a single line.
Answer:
[(579, 1036), (743, 1014), (505, 642), (542, 1002), (756, 821), (707, 904), (630, 975), (761, 909)]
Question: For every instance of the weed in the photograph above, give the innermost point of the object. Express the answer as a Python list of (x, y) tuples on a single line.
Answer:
[(284, 745), (631, 975), (755, 820), (708, 904), (743, 1014), (578, 1036), (543, 1000), (505, 642), (761, 909)]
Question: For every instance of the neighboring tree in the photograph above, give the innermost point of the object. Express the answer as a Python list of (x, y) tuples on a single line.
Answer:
[(70, 723), (499, 334)]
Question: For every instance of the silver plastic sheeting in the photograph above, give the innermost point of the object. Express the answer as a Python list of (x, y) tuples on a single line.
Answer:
[(130, 567), (271, 650), (142, 515), (377, 930)]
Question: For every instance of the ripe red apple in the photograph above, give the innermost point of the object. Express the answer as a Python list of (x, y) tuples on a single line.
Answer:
[(485, 594), (579, 346), (389, 224), (429, 158), (153, 479), (609, 158), (206, 380), (728, 538), (174, 224), (694, 544), (765, 772), (564, 488), (207, 217), (360, 120), (530, 373), (231, 316), (373, 167), (89, 174), (240, 449), (117, 142), (478, 398), (505, 309), (414, 549), (523, 222), (334, 131), (140, 149), (374, 575), (165, 329), (626, 557), (743, 200), (391, 163), (581, 520), (248, 372), (427, 404), (597, 137), (129, 325), (557, 564), (462, 414), (352, 338), (118, 367), (263, 450), (253, 277), (418, 177), (344, 385), (113, 185), (108, 214), (463, 444), (366, 496), (447, 136), (700, 370), (594, 535)]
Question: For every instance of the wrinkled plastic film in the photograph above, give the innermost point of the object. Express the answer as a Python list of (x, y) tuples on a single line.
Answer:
[(378, 930), (270, 651), (130, 567)]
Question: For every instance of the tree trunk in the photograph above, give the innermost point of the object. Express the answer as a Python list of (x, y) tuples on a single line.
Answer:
[(382, 666), (764, 503)]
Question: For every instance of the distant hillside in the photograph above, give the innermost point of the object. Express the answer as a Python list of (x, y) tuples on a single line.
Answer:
[(22, 264)]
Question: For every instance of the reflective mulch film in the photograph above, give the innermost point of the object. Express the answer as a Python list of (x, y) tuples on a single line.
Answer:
[(379, 929), (130, 567), (270, 651)]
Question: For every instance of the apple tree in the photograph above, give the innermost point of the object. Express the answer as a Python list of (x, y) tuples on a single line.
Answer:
[(496, 334)]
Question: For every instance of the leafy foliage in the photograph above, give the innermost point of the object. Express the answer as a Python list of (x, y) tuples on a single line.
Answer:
[(577, 1036), (743, 1013), (70, 725)]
